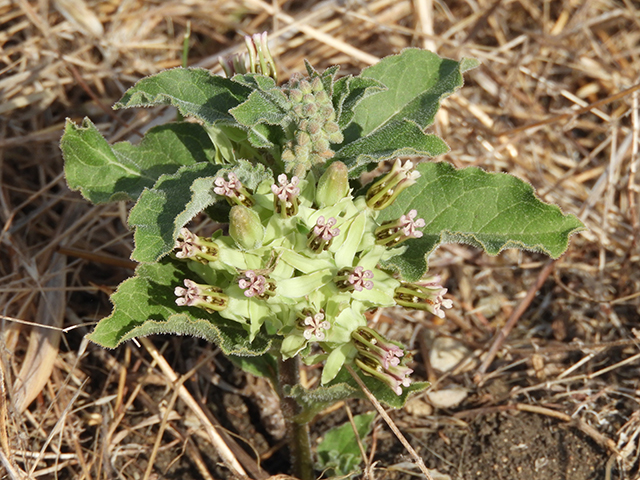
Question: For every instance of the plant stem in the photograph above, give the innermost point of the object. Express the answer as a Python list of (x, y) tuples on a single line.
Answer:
[(297, 433)]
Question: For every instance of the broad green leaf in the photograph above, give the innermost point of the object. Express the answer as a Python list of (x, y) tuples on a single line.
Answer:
[(338, 453), (162, 211), (194, 91), (492, 211), (398, 138), (416, 81), (145, 305), (107, 173)]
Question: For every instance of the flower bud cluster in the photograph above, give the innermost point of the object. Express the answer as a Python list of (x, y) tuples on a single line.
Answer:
[(302, 258), (314, 123)]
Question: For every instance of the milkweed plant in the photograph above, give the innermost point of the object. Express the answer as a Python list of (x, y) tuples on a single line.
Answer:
[(253, 229)]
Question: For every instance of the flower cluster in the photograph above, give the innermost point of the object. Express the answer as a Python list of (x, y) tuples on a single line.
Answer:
[(302, 259)]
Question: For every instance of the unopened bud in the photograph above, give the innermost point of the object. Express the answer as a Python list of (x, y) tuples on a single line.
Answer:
[(333, 185), (245, 227)]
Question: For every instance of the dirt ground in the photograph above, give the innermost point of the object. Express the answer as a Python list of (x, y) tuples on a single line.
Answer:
[(554, 102)]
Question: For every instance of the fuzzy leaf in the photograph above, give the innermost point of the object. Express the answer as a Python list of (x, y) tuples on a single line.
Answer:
[(162, 211), (348, 92), (398, 138), (145, 305), (492, 211), (107, 173), (266, 107), (194, 91), (416, 81)]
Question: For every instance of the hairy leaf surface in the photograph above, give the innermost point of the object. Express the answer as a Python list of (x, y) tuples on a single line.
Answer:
[(194, 91), (492, 211), (416, 81), (107, 173), (163, 210)]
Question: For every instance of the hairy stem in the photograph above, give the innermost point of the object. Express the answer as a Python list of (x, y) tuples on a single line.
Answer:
[(297, 433)]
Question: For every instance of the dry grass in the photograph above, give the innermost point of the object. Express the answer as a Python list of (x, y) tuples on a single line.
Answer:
[(549, 104)]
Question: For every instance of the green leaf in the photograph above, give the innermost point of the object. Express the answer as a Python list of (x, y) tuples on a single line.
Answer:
[(339, 453), (194, 91), (416, 81), (348, 92), (399, 138), (492, 211), (162, 211), (107, 173), (145, 305), (266, 107)]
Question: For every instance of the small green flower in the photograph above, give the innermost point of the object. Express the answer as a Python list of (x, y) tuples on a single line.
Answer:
[(392, 233), (258, 58), (189, 245), (426, 294), (381, 358), (233, 190)]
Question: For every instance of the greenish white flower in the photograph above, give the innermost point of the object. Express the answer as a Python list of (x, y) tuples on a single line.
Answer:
[(427, 294), (258, 58)]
